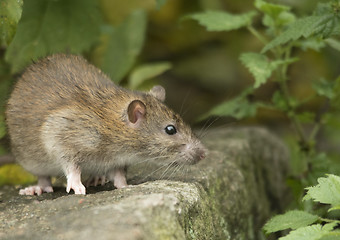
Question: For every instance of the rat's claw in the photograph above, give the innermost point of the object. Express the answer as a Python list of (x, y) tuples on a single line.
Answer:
[(78, 189), (77, 186), (74, 181)]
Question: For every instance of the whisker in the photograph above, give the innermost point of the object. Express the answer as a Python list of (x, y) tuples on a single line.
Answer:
[(185, 99), (158, 169), (165, 171), (206, 126), (206, 132)]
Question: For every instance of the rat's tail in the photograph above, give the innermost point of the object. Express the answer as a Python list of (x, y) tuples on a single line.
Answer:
[(6, 159)]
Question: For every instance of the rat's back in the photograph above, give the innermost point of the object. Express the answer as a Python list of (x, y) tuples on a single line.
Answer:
[(46, 86)]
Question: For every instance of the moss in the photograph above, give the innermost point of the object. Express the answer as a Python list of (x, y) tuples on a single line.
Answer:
[(14, 174)]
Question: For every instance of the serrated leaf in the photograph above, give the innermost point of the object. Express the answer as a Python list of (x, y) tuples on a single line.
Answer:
[(290, 220), (321, 26), (125, 44), (327, 191), (333, 43), (222, 21), (331, 225), (10, 12), (239, 107), (314, 232), (260, 66), (48, 27), (334, 235), (147, 71)]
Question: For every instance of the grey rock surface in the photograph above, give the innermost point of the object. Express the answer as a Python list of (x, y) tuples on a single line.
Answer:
[(229, 195)]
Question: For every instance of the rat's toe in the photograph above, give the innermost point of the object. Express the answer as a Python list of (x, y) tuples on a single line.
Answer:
[(48, 189), (32, 190), (80, 189)]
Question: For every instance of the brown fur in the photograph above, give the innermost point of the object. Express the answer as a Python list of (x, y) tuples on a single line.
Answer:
[(65, 110)]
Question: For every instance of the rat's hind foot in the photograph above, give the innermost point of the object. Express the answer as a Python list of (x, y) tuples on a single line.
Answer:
[(96, 181), (38, 190), (118, 176), (44, 185)]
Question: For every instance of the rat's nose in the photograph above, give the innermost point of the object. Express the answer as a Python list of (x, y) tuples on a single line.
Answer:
[(199, 155)]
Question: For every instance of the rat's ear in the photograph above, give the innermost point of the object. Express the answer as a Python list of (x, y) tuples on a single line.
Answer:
[(158, 92), (136, 110)]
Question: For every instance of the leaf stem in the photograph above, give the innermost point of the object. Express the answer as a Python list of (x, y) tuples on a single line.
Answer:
[(327, 220), (258, 35), (292, 114), (282, 80)]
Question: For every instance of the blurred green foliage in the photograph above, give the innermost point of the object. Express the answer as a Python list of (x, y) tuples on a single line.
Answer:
[(284, 33), (311, 226), (48, 27), (10, 12), (290, 48)]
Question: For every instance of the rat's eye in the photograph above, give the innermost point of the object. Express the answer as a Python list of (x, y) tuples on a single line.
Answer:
[(170, 129)]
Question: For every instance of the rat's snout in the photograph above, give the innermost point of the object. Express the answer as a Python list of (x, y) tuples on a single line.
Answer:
[(200, 155), (195, 152)]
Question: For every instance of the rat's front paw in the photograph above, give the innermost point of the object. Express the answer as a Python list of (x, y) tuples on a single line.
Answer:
[(78, 188)]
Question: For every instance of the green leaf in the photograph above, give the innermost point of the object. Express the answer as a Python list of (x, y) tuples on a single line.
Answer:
[(321, 26), (48, 27), (311, 43), (279, 101), (334, 235), (276, 15), (283, 19), (260, 66), (147, 71), (314, 232), (125, 44), (239, 107), (333, 43), (292, 219), (327, 191), (324, 88), (273, 10), (222, 21), (10, 12)]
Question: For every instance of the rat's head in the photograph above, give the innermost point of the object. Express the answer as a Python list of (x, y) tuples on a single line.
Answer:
[(161, 133)]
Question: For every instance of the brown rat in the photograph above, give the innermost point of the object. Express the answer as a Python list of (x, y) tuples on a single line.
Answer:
[(65, 117)]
